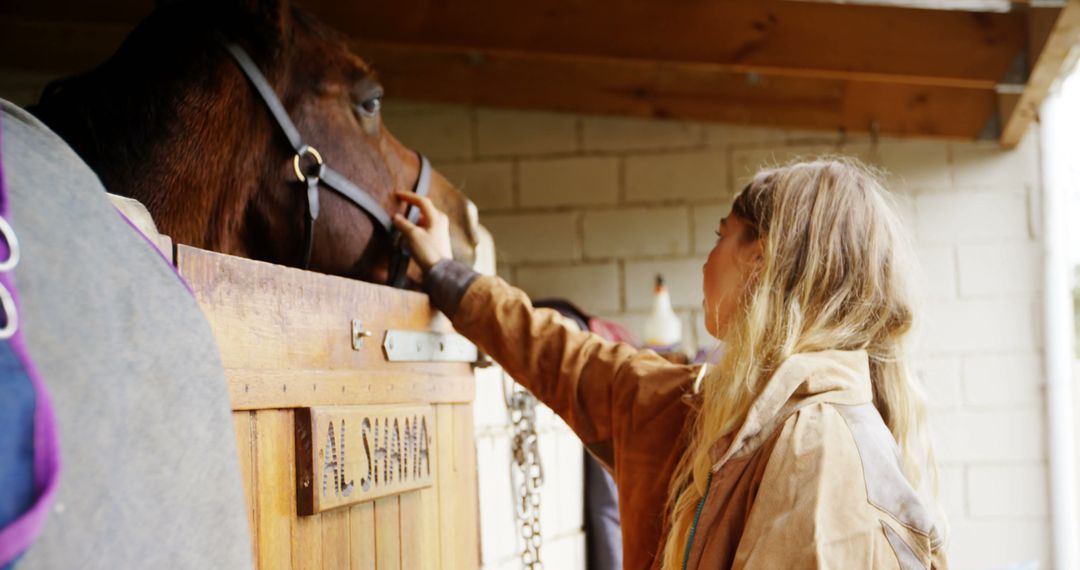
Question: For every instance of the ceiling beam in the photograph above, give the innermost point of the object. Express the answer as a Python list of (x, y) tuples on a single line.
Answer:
[(672, 90), (850, 42), (1059, 50), (966, 5)]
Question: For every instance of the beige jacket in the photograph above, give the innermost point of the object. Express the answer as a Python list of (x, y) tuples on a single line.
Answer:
[(811, 479)]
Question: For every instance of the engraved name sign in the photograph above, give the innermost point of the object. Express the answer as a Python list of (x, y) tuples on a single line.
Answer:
[(352, 454)]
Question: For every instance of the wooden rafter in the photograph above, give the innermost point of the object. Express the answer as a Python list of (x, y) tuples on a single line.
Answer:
[(1059, 41), (806, 39), (672, 90), (885, 65)]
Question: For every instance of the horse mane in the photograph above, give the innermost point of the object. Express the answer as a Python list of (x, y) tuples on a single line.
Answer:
[(139, 117)]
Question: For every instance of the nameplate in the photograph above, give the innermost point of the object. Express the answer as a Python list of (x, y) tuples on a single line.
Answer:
[(352, 454)]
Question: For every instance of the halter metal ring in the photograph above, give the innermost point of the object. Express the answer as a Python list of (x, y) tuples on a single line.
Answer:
[(307, 151), (11, 315), (8, 234)]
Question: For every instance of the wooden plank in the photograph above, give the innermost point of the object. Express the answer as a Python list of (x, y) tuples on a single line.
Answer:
[(468, 533), (413, 541), (275, 500), (458, 503), (431, 506), (252, 389), (965, 5), (362, 537), (307, 543), (1059, 47), (336, 546), (679, 91), (352, 454), (431, 555), (245, 446), (904, 45), (388, 534), (285, 336)]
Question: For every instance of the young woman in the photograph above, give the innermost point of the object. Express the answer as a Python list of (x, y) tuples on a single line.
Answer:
[(804, 446)]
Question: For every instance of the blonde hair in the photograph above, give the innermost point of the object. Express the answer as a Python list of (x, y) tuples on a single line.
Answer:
[(835, 276)]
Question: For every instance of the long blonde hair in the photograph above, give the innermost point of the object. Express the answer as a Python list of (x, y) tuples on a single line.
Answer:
[(835, 276)]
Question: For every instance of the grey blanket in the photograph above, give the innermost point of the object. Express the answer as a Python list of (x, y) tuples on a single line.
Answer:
[(150, 472)]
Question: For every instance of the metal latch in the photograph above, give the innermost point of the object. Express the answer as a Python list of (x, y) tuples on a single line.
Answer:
[(426, 346)]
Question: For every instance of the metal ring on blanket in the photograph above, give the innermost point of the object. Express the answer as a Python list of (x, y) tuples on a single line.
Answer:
[(11, 315), (8, 234)]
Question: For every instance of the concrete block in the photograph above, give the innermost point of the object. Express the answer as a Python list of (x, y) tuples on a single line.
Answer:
[(990, 435), (1004, 380), (569, 182), (498, 529), (706, 218), (682, 276), (725, 135), (952, 490), (1018, 490), (1000, 268), (549, 493), (677, 176), (489, 408), (488, 184), (943, 381), (937, 271), (438, 131), (534, 237), (610, 133), (745, 163), (971, 216), (565, 552), (505, 132), (980, 325), (593, 287), (985, 165), (571, 475), (831, 137), (1000, 543), (913, 166), (637, 232)]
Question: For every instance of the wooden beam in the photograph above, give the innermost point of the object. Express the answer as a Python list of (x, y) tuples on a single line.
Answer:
[(58, 47), (849, 42), (1059, 47), (967, 5), (668, 90)]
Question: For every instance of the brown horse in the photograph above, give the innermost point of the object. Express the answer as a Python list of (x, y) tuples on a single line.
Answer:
[(171, 121)]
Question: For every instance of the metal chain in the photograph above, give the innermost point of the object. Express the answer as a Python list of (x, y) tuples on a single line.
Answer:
[(526, 471)]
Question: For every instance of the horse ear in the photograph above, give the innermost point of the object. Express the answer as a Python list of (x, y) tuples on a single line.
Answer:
[(274, 16)]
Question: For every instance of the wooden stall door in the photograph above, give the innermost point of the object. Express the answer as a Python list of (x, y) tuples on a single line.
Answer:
[(286, 342)]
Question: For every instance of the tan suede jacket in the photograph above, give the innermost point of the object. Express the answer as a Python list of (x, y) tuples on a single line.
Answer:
[(812, 479)]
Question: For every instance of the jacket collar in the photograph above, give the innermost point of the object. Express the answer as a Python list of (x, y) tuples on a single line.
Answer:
[(834, 376)]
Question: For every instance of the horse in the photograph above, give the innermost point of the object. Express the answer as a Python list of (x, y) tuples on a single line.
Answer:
[(172, 121)]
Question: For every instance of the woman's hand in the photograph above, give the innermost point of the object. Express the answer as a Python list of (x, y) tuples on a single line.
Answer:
[(429, 238)]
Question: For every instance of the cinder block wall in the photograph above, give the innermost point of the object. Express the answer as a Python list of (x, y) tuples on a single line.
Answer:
[(589, 208)]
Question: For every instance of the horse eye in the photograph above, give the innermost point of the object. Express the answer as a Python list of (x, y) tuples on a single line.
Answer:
[(370, 107)]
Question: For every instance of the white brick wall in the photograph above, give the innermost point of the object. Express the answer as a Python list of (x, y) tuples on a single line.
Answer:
[(591, 207)]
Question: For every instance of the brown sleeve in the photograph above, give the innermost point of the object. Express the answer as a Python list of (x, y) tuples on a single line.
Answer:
[(605, 391)]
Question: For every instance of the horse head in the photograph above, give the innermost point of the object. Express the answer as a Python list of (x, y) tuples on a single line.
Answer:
[(171, 121)]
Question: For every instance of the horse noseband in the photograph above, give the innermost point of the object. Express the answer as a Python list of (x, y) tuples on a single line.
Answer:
[(312, 170)]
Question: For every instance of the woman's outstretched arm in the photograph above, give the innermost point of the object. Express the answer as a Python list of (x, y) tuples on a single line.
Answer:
[(605, 391)]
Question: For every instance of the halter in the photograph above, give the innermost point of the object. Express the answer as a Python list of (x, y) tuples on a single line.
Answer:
[(310, 169)]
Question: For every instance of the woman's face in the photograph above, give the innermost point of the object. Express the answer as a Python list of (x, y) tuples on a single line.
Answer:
[(728, 271)]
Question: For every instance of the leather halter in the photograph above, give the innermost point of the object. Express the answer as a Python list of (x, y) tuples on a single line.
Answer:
[(316, 173)]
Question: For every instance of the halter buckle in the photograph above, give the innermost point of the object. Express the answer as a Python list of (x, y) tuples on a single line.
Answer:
[(303, 152)]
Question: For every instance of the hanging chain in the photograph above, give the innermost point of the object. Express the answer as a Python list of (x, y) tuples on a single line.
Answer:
[(526, 471)]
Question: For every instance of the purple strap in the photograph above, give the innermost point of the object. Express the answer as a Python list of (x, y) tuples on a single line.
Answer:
[(17, 537)]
